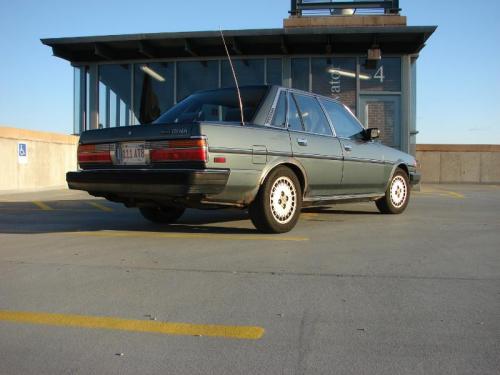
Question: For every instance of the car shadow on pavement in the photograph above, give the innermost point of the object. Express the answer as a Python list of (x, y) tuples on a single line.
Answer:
[(100, 215), (60, 216)]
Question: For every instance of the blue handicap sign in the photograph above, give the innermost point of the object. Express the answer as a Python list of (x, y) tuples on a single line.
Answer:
[(22, 149)]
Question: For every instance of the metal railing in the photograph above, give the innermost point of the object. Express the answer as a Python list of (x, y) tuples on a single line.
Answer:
[(298, 7)]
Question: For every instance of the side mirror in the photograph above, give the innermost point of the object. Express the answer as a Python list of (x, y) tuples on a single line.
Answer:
[(372, 133)]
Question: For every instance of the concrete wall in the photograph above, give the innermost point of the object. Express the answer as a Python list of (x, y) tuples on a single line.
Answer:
[(459, 163), (344, 21), (49, 157)]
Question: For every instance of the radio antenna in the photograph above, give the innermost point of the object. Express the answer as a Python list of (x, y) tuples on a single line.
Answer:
[(234, 76)]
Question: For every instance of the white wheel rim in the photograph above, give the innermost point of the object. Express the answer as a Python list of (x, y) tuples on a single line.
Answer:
[(283, 200), (399, 191)]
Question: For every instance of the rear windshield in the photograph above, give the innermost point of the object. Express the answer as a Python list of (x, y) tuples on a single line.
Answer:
[(215, 105)]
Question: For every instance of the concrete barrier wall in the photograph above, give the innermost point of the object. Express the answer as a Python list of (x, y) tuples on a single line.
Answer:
[(459, 163), (49, 157)]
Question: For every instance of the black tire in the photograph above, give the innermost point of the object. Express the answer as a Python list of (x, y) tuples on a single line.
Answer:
[(282, 186), (397, 194), (162, 215)]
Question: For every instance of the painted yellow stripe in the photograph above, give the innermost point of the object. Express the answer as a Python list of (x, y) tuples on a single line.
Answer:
[(166, 328), (100, 206), (443, 193), (42, 206), (197, 236), (454, 194)]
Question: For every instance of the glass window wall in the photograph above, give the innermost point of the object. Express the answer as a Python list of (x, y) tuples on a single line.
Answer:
[(79, 99), (196, 75), (300, 74), (335, 78), (383, 75), (248, 72), (274, 72), (153, 91), (114, 95)]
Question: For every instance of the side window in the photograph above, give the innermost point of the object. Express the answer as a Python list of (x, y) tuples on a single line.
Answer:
[(343, 121), (279, 119), (294, 121), (313, 117)]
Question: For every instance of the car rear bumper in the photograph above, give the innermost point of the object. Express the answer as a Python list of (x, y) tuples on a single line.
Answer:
[(415, 178), (164, 182)]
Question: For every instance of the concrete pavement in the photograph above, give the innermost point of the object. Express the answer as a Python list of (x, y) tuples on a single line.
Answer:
[(349, 291)]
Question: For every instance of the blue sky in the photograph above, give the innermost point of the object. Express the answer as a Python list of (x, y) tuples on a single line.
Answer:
[(458, 71)]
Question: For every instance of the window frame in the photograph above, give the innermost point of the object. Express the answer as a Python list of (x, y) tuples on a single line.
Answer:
[(346, 109), (274, 107), (289, 98), (315, 98)]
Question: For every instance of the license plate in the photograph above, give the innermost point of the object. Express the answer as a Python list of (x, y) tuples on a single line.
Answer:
[(131, 153)]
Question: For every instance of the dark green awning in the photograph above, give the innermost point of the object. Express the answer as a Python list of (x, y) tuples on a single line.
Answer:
[(322, 40)]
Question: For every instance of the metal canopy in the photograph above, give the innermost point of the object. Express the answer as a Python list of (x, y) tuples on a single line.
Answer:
[(321, 40)]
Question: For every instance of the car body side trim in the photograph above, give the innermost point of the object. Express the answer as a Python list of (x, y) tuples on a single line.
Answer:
[(362, 160), (318, 156), (343, 197), (247, 152)]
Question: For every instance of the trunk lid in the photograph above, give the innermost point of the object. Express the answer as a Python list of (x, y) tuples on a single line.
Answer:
[(150, 132)]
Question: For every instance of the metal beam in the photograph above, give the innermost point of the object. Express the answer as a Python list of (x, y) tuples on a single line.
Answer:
[(104, 51), (189, 48), (147, 51), (63, 54), (328, 47), (283, 46), (236, 47)]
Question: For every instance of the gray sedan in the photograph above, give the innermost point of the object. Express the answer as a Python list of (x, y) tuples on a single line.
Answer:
[(284, 150)]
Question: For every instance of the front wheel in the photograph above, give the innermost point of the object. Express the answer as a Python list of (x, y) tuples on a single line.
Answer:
[(397, 194), (276, 208), (162, 215)]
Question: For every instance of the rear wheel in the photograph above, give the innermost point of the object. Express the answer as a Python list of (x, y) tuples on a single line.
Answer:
[(397, 194), (162, 215), (276, 208)]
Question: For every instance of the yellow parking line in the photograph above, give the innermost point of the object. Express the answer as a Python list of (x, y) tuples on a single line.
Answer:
[(198, 236), (100, 206), (166, 328), (454, 194), (443, 193), (43, 206)]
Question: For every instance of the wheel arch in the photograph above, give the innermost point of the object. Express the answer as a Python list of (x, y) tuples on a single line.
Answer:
[(399, 164), (294, 166), (404, 167)]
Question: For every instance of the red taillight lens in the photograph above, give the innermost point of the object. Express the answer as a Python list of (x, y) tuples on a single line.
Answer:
[(92, 154), (179, 150)]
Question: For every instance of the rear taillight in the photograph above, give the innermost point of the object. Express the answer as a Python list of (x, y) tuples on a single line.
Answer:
[(179, 150), (94, 154)]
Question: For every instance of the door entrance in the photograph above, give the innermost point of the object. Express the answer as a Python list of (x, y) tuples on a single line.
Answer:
[(383, 112)]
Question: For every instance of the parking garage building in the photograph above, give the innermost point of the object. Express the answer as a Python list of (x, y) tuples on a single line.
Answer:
[(366, 61)]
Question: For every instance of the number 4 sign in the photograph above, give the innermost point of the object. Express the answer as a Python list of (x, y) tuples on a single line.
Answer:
[(380, 74)]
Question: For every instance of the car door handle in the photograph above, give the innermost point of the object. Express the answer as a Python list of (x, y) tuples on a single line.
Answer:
[(302, 141), (348, 148)]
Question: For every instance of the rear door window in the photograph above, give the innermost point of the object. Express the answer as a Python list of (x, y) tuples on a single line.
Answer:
[(345, 124), (279, 119), (313, 117), (294, 120)]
